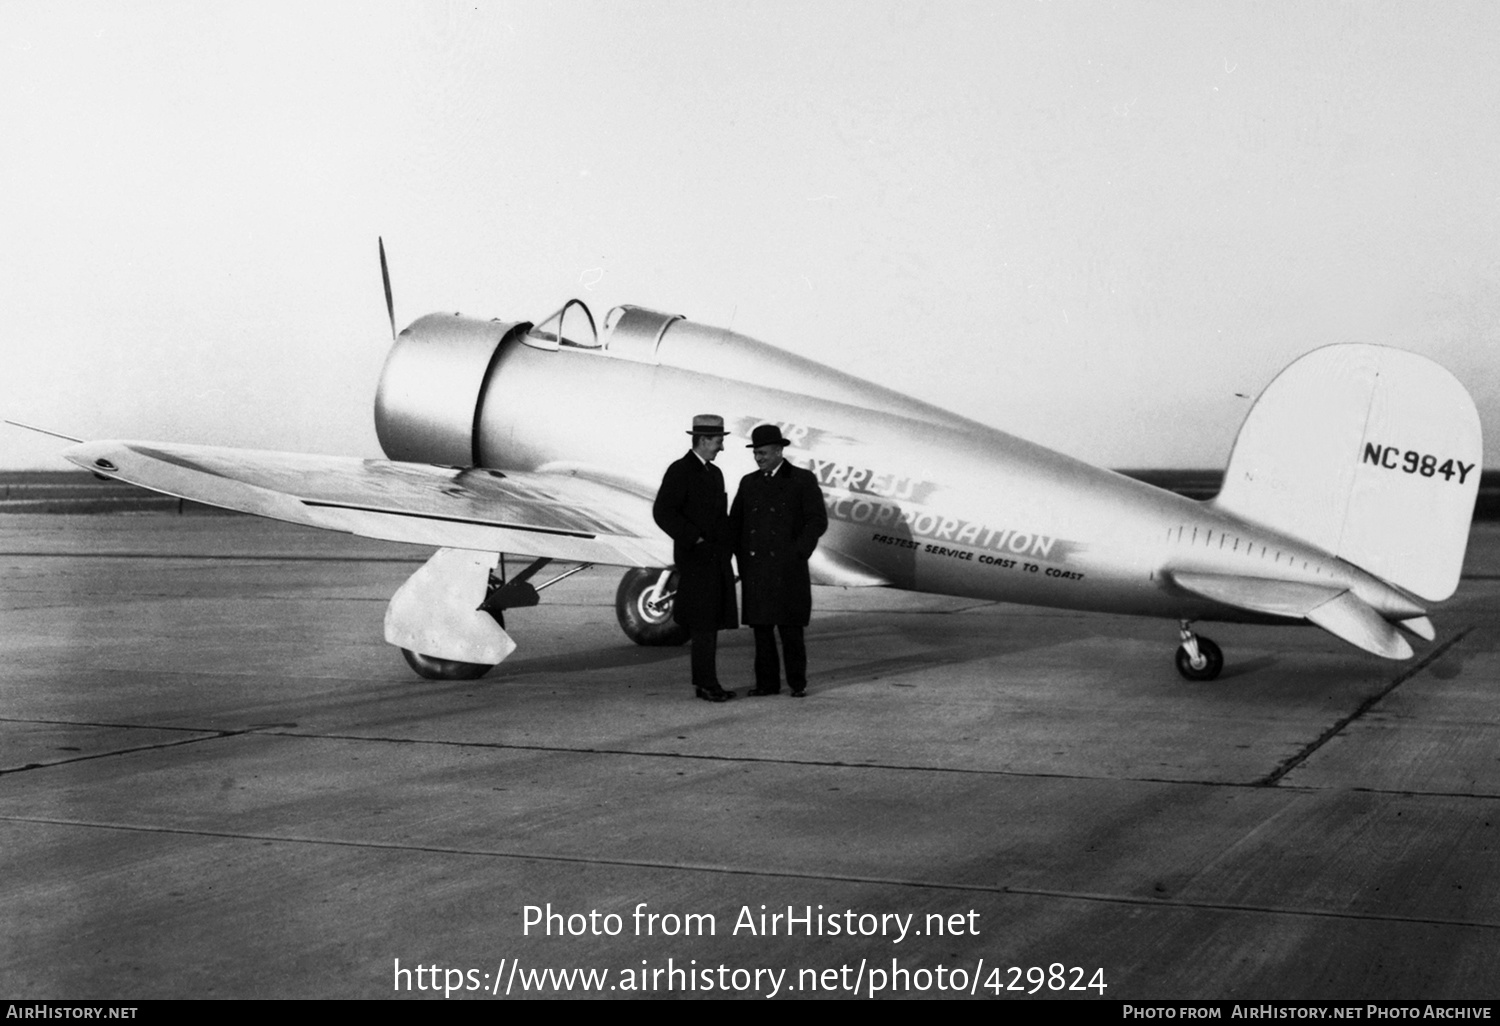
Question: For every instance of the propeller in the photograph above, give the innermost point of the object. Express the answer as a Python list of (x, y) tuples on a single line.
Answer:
[(43, 431), (385, 276)]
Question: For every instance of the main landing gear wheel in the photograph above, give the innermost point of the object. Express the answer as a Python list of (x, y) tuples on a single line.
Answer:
[(434, 668), (643, 605), (1198, 658)]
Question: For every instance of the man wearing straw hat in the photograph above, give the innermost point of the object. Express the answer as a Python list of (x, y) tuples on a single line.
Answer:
[(691, 507)]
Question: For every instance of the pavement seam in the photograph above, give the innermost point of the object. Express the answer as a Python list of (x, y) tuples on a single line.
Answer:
[(1275, 776), (835, 764), (269, 730), (887, 881), (207, 736)]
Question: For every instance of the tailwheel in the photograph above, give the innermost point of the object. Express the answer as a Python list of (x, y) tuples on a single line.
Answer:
[(1198, 658), (643, 605), (434, 668)]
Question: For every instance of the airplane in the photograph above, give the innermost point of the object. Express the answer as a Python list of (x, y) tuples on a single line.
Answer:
[(1346, 503)]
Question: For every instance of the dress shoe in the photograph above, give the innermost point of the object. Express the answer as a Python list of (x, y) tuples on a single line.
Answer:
[(756, 692), (801, 693), (715, 694)]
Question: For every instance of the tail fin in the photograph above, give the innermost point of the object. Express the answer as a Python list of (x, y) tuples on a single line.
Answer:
[(1370, 453)]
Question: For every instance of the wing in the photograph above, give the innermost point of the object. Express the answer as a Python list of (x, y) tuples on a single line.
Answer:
[(559, 514)]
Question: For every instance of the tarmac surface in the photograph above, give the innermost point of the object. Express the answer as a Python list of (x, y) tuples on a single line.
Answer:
[(216, 780)]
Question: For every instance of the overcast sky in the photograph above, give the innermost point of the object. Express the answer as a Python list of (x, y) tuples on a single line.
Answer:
[(1096, 225)]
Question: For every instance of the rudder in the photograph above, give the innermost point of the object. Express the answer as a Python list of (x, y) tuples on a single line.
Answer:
[(1371, 453)]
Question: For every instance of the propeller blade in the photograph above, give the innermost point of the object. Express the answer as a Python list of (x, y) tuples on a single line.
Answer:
[(43, 431), (385, 276)]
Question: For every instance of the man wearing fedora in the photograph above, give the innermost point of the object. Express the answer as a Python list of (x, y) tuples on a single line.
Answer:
[(691, 507), (776, 521)]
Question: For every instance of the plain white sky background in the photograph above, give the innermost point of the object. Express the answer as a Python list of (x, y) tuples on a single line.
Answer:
[(1096, 225)]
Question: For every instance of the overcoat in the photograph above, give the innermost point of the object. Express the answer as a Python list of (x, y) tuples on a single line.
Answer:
[(691, 507), (776, 523)]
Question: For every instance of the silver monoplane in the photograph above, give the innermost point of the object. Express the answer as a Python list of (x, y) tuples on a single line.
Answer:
[(1346, 503)]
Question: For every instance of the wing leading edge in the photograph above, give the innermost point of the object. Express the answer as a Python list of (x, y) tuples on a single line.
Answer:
[(558, 515)]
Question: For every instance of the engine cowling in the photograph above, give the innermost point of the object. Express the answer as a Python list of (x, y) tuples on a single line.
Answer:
[(433, 384)]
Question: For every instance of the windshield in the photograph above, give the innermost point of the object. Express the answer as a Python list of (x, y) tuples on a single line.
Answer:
[(573, 325)]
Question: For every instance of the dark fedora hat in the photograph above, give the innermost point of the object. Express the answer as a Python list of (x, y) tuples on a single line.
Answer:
[(708, 424), (766, 434)]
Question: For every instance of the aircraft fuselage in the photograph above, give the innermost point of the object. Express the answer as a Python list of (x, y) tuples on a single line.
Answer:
[(918, 498)]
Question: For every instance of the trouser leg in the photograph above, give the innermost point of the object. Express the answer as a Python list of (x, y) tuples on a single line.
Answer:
[(795, 649), (767, 661), (705, 658)]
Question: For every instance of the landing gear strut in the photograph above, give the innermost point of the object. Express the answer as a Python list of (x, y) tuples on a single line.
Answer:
[(1198, 658)]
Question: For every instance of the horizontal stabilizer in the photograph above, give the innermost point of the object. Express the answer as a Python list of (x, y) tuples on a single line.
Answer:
[(1337, 611), (1259, 594), (1356, 622), (1421, 627)]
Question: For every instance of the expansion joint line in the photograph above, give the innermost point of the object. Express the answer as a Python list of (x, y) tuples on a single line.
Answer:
[(218, 735), (1274, 777), (961, 886)]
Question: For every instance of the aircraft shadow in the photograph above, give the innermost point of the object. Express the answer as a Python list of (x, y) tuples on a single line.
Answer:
[(1244, 668), (737, 645), (609, 657)]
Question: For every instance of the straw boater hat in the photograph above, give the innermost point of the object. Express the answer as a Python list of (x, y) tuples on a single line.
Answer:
[(708, 424), (766, 434)]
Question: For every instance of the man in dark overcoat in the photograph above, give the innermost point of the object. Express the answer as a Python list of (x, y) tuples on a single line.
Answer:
[(777, 519), (691, 506)]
